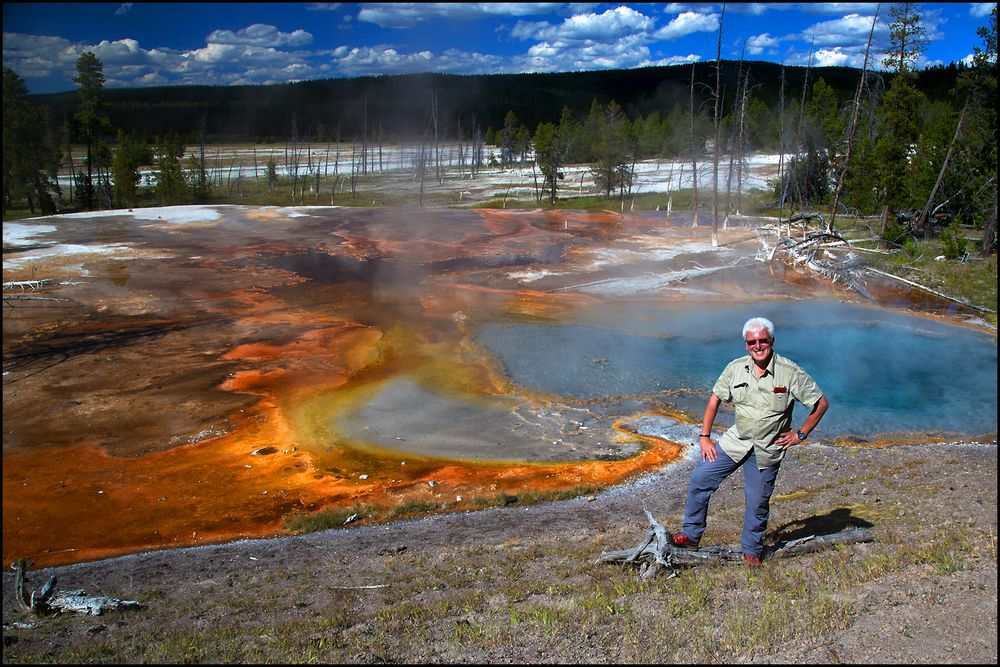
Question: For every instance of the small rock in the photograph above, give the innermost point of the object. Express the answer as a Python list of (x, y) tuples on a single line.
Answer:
[(432, 483), (362, 476)]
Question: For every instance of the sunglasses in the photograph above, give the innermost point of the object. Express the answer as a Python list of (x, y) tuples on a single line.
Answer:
[(759, 341)]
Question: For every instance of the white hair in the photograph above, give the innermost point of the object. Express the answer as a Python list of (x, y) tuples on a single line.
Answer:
[(759, 323)]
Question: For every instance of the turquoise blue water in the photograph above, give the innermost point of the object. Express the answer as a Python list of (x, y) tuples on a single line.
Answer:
[(882, 372)]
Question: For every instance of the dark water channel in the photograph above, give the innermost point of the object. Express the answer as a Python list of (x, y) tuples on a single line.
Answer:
[(883, 372)]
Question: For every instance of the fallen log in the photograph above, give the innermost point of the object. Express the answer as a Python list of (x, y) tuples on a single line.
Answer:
[(27, 284), (49, 599), (803, 252), (963, 302), (656, 552)]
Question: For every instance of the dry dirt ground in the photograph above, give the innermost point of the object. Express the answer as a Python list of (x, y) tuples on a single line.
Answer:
[(506, 584)]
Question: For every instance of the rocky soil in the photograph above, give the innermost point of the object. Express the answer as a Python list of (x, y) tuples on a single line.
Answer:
[(325, 596)]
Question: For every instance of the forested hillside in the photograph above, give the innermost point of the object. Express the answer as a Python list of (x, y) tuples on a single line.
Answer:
[(915, 147), (399, 107)]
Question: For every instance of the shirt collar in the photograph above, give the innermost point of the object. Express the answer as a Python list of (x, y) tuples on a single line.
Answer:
[(770, 364)]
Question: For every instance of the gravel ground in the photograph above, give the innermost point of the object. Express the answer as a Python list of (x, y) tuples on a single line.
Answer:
[(910, 495)]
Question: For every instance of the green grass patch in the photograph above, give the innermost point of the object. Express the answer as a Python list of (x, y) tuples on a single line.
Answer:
[(332, 518), (414, 507), (971, 278)]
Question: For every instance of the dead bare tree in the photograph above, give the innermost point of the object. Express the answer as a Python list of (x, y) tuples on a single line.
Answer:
[(656, 552), (853, 127), (295, 156), (694, 158), (781, 155), (732, 140), (715, 148), (989, 241), (922, 220), (421, 168), (798, 132), (434, 125), (741, 142), (49, 600), (354, 168)]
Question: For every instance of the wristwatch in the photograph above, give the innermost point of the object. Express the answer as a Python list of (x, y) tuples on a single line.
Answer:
[(802, 436)]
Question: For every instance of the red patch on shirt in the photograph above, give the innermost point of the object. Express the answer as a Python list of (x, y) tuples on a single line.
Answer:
[(781, 390)]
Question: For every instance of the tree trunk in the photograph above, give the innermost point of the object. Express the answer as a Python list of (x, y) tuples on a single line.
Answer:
[(989, 243), (922, 220), (852, 131), (781, 155), (715, 151), (694, 159), (656, 552)]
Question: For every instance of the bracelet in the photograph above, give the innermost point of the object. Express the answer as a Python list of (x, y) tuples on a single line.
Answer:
[(705, 435)]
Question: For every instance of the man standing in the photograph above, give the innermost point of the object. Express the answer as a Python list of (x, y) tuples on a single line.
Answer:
[(763, 386)]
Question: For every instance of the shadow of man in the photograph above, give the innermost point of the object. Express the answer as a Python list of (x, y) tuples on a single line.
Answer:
[(832, 522)]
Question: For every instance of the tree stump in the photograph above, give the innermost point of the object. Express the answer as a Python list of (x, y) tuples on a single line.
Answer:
[(48, 599), (656, 552)]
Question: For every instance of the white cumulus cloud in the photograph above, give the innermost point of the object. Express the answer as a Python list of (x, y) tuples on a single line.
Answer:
[(757, 44), (259, 34), (612, 24), (981, 9), (686, 23), (410, 14), (850, 30)]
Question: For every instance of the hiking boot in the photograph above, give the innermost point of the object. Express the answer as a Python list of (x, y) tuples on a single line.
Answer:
[(751, 560), (683, 541)]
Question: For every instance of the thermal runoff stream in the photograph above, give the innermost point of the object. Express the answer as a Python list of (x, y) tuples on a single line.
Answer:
[(182, 375)]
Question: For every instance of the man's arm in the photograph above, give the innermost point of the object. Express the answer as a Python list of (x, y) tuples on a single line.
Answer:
[(789, 438), (705, 440)]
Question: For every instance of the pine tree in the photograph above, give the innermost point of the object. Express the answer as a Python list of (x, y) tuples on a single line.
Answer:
[(29, 152), (91, 118), (130, 153), (899, 111), (171, 187)]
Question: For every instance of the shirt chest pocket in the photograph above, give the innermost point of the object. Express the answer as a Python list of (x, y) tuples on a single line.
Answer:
[(740, 392), (777, 399)]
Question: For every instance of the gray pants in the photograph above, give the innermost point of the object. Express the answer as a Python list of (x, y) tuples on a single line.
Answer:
[(757, 488)]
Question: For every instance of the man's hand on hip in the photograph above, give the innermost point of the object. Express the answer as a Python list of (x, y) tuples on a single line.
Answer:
[(708, 452)]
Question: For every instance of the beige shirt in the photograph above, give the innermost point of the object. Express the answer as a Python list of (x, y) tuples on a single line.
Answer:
[(763, 405)]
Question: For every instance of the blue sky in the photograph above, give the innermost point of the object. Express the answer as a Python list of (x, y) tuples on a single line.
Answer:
[(151, 44)]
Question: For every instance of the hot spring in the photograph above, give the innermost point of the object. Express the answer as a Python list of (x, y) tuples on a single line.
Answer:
[(883, 372), (179, 375)]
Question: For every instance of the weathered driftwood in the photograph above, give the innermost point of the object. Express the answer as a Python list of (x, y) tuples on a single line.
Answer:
[(27, 284), (19, 297), (803, 252), (981, 309), (656, 552), (49, 599)]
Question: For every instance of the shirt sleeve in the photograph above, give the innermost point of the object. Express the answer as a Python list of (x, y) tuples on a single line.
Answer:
[(723, 386), (804, 389)]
